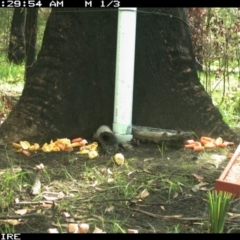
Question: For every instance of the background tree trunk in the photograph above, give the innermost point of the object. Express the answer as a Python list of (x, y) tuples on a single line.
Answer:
[(16, 49), (31, 39), (70, 91)]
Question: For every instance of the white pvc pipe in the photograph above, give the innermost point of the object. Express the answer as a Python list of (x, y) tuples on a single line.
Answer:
[(124, 78)]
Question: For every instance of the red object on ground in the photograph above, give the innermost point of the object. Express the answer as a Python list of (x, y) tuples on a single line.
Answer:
[(222, 184)]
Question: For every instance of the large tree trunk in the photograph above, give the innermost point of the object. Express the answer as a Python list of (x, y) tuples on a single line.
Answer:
[(70, 91), (16, 49)]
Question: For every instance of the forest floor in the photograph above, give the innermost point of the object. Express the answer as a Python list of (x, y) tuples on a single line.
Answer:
[(156, 190)]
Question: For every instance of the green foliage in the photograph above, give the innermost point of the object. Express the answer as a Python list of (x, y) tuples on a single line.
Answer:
[(9, 72), (218, 206), (10, 181), (215, 37), (5, 26)]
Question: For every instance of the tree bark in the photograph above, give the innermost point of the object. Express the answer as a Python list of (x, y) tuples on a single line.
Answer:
[(16, 49), (70, 92)]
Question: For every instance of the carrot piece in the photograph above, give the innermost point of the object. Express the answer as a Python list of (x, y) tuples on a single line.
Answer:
[(198, 148), (204, 140), (60, 145), (83, 142), (189, 146), (221, 145), (26, 153), (230, 155), (192, 145), (77, 140), (208, 139), (197, 144), (228, 143)]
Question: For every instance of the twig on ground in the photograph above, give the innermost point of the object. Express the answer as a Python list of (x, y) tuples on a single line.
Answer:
[(34, 203), (178, 217), (30, 215)]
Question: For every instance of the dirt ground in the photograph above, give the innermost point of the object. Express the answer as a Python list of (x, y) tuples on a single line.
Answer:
[(104, 195)]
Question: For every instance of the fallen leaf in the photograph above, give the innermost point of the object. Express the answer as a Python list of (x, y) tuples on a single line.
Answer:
[(13, 222), (50, 198), (216, 159), (198, 177), (21, 211), (179, 185), (162, 207), (36, 187), (202, 184), (40, 166), (110, 180), (61, 195), (195, 188), (66, 214), (205, 189), (233, 215), (175, 195), (143, 194), (109, 209), (147, 159), (57, 196), (198, 186), (94, 184)]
